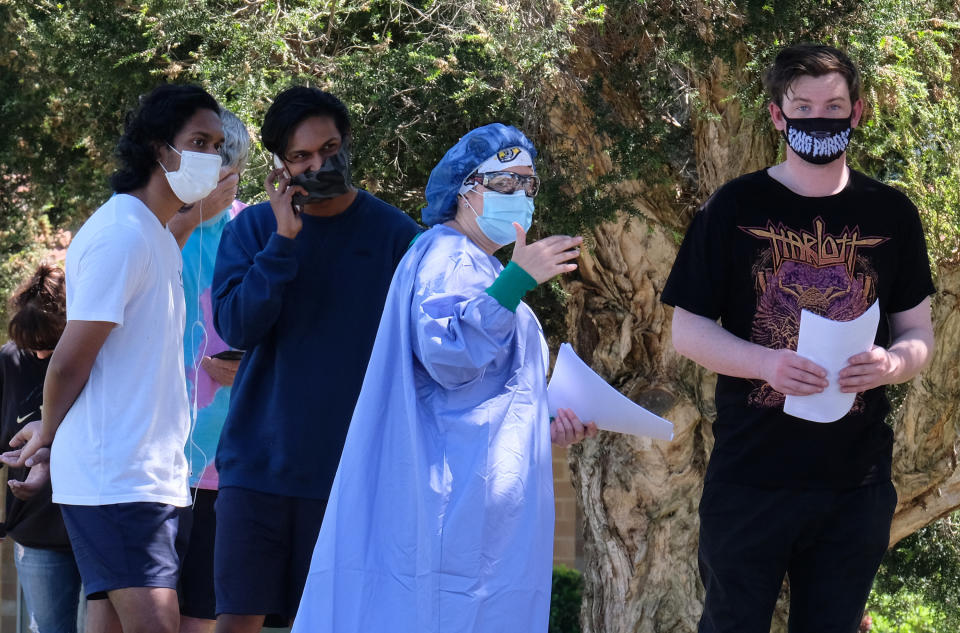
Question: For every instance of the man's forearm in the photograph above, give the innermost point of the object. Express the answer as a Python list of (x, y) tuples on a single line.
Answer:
[(61, 387), (706, 343), (912, 348), (69, 370)]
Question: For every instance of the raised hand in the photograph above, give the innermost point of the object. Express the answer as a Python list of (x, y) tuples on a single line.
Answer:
[(545, 258), (281, 193), (221, 197)]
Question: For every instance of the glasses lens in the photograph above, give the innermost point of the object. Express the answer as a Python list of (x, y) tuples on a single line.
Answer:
[(531, 185), (501, 182), (509, 182)]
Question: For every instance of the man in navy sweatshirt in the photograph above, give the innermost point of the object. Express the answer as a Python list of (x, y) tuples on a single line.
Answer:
[(299, 284)]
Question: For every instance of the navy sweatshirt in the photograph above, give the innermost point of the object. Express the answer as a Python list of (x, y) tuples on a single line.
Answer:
[(306, 311)]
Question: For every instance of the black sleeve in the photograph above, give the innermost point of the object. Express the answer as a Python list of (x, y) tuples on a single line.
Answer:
[(8, 404), (699, 279), (913, 280)]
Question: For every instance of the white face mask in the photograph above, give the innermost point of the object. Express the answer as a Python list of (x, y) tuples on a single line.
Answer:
[(198, 175)]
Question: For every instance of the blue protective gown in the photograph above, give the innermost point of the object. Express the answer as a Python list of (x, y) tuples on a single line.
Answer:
[(441, 514)]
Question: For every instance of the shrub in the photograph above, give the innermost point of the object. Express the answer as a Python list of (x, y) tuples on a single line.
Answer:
[(565, 600)]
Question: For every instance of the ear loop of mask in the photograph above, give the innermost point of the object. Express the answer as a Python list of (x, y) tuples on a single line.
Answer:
[(164, 167), (462, 193), (196, 370)]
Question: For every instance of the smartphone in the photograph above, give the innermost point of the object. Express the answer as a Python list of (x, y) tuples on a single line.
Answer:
[(297, 208), (229, 354), (279, 165)]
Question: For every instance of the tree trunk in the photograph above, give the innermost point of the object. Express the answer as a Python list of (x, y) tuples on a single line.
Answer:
[(639, 497), (925, 448)]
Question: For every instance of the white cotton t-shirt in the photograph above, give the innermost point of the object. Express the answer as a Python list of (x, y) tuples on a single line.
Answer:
[(123, 439)]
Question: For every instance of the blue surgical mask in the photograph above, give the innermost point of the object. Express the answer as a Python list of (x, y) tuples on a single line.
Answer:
[(500, 211)]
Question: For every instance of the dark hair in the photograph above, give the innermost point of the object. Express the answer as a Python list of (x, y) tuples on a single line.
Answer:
[(157, 120), (291, 107), (814, 60), (39, 308)]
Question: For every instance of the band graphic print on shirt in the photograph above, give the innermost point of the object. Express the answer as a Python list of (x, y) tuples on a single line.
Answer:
[(803, 270)]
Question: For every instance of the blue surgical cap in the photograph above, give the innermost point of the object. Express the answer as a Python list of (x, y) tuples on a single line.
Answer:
[(459, 162)]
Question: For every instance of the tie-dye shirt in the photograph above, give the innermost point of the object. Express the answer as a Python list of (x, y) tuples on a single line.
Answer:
[(207, 397)]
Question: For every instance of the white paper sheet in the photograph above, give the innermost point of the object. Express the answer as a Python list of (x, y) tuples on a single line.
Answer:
[(577, 387), (830, 344)]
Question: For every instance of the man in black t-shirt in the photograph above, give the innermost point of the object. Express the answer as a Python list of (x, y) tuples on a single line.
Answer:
[(783, 495)]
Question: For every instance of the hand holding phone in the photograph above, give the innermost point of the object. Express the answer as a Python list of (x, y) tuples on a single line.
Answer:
[(280, 191), (277, 163)]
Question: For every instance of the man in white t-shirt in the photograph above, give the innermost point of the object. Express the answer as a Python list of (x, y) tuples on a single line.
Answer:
[(115, 404)]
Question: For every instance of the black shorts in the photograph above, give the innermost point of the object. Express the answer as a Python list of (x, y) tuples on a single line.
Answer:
[(264, 546), (197, 597), (828, 542), (125, 545)]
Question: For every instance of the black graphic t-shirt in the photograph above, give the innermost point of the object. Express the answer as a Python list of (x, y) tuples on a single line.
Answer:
[(755, 256), (36, 522)]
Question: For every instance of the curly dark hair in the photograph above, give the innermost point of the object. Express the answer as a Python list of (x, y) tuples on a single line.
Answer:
[(157, 120), (291, 107), (39, 308)]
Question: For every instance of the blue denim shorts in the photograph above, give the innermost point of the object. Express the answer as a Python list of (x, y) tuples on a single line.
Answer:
[(125, 545)]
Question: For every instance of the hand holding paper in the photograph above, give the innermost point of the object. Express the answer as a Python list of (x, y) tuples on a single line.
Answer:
[(567, 429), (868, 370), (830, 344), (575, 386)]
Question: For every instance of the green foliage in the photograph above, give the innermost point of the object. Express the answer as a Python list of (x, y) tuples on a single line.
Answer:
[(916, 588), (415, 75), (906, 612), (647, 98), (565, 600), (65, 82)]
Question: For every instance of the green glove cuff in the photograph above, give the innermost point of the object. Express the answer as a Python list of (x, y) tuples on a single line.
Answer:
[(511, 285)]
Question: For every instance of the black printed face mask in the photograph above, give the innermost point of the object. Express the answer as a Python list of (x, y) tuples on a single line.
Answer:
[(331, 180), (818, 141)]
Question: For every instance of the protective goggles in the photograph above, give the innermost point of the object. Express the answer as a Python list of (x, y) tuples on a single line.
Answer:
[(505, 182)]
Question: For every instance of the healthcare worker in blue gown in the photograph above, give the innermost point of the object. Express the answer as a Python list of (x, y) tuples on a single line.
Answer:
[(441, 515)]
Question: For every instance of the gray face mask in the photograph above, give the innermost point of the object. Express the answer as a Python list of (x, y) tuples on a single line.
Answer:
[(331, 180)]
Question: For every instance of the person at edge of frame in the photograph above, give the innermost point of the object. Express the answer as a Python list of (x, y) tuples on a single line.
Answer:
[(46, 569), (784, 495)]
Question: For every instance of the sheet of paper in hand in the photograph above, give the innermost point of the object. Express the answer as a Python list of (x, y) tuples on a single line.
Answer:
[(576, 387), (830, 344)]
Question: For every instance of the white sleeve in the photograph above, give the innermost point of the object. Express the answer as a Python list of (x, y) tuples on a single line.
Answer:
[(108, 273)]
